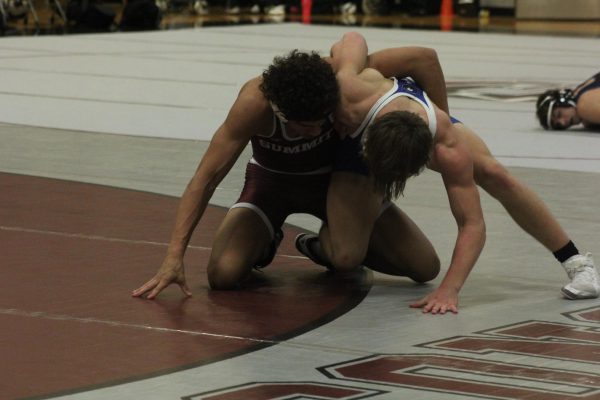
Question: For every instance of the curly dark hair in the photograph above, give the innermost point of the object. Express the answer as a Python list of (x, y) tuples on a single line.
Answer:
[(302, 85), (396, 147)]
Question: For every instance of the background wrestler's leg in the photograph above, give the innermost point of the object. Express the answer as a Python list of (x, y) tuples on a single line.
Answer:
[(352, 208), (240, 242), (399, 247)]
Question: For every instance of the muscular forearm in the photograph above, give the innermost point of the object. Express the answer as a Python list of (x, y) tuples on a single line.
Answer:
[(191, 208), (468, 247), (431, 79)]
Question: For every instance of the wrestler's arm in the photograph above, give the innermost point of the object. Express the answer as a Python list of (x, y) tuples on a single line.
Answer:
[(228, 142), (420, 63), (452, 159), (356, 82), (349, 54)]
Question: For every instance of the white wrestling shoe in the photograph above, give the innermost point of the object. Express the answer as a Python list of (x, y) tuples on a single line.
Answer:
[(585, 282)]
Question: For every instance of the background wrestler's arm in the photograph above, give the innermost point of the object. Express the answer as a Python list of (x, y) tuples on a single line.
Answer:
[(420, 63), (452, 159), (224, 149), (588, 109)]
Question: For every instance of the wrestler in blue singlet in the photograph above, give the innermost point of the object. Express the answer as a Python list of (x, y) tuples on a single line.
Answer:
[(349, 153)]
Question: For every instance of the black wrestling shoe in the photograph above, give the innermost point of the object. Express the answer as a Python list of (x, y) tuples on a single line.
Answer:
[(268, 259), (304, 244)]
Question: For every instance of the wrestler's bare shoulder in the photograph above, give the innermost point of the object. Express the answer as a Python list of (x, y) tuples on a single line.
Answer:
[(251, 111), (252, 88), (252, 98), (371, 74)]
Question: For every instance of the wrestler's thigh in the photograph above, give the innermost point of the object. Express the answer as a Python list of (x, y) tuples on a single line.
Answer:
[(240, 240), (352, 208), (402, 246)]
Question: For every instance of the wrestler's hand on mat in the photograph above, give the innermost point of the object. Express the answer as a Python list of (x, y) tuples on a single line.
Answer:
[(439, 301), (171, 271)]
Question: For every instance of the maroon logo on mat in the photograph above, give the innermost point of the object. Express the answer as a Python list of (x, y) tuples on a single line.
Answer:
[(478, 375), (286, 390), (467, 376), (536, 340), (587, 315), (536, 345)]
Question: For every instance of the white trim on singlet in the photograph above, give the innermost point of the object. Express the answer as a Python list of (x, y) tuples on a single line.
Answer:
[(286, 136), (387, 98), (373, 111), (259, 212), (323, 170), (275, 121), (291, 139)]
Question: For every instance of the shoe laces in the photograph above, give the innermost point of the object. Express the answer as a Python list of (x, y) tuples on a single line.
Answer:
[(581, 263), (584, 272)]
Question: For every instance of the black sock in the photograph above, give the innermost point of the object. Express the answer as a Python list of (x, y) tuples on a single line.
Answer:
[(567, 251), (317, 253), (315, 247)]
